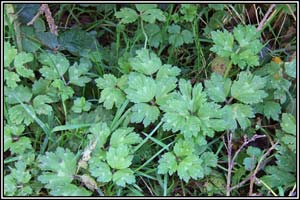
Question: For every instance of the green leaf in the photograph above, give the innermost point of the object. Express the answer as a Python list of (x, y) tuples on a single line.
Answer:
[(112, 97), (44, 87), (189, 12), (290, 141), (167, 71), (178, 38), (254, 154), (145, 62), (69, 190), (40, 104), (100, 132), (211, 121), (189, 125), (58, 168), (288, 123), (20, 146), (145, 113), (155, 35), (286, 159), (21, 59), (108, 80), (55, 65), (181, 109), (290, 68), (100, 170), (217, 87), (16, 182), (127, 15), (27, 35), (141, 89), (145, 7), (123, 177), (118, 157), (164, 90), (11, 79), (187, 36), (77, 73), (18, 115), (184, 147), (151, 15), (238, 112), (245, 52), (23, 93), (284, 172), (7, 139), (249, 88), (48, 39), (78, 42), (20, 174), (80, 104), (223, 43), (249, 163), (254, 151), (111, 94), (246, 36), (174, 29), (270, 109), (124, 65), (249, 44), (39, 25), (167, 164), (190, 167), (10, 185), (124, 136), (209, 160), (10, 53), (65, 92), (245, 58), (276, 81)]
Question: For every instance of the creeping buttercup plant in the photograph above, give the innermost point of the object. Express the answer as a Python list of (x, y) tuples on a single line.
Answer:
[(152, 106)]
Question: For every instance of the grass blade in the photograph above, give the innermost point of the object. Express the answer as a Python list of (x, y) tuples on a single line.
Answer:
[(147, 138), (70, 127)]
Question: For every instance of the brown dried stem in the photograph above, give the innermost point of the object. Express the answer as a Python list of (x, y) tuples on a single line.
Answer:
[(263, 21), (232, 159), (44, 9), (253, 175)]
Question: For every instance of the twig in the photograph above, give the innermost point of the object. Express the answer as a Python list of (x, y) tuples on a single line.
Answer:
[(229, 101), (292, 191), (240, 184), (292, 13), (246, 142), (44, 9), (253, 175), (224, 143), (256, 14), (232, 159), (49, 18), (146, 37), (263, 21), (147, 186), (230, 165)]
